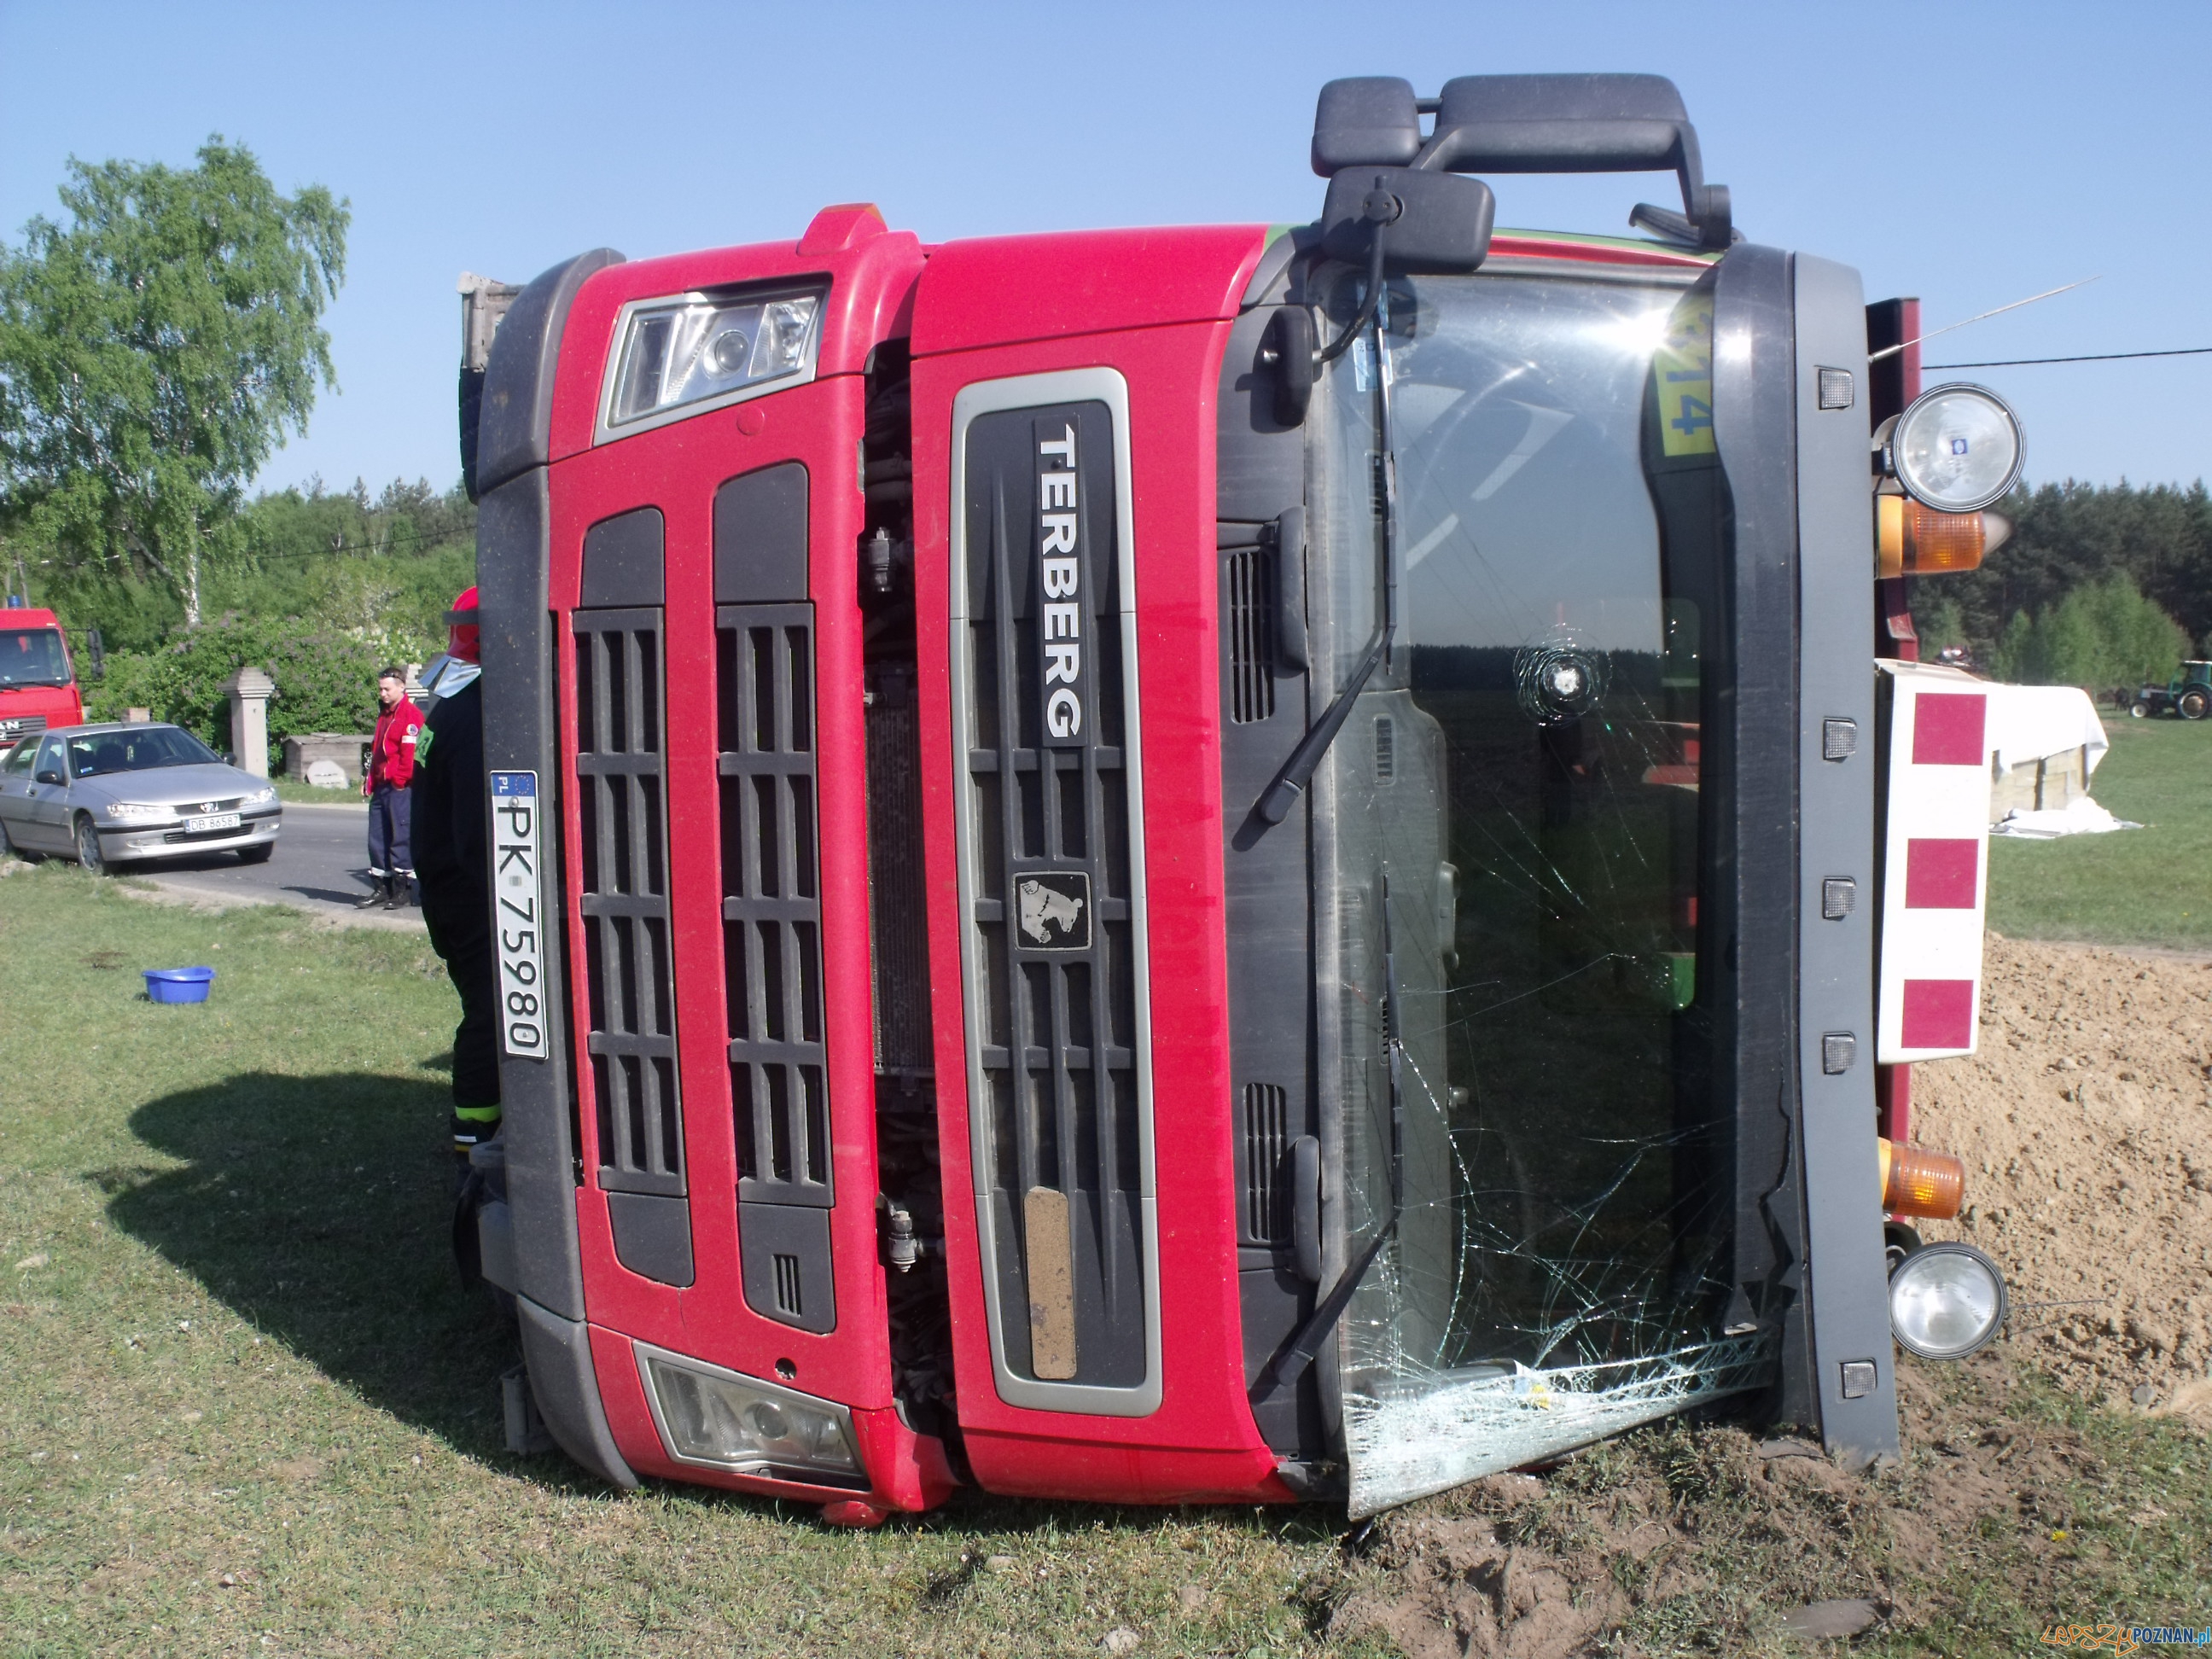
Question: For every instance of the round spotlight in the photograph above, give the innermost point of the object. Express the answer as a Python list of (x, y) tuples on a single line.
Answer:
[(1946, 1300), (1957, 448)]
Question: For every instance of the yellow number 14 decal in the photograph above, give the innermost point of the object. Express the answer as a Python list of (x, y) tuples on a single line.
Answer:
[(1682, 370)]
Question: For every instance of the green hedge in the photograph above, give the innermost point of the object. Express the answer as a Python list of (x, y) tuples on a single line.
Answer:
[(326, 682)]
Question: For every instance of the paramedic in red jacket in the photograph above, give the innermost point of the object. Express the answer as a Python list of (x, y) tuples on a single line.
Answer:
[(390, 768)]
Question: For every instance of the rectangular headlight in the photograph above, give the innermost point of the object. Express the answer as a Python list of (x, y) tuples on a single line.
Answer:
[(693, 351), (132, 812), (709, 1415)]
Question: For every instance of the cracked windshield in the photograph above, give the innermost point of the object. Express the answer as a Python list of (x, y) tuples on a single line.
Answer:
[(1523, 477)]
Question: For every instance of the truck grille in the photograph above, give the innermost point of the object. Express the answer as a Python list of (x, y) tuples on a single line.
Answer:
[(1049, 825), (772, 957), (624, 900)]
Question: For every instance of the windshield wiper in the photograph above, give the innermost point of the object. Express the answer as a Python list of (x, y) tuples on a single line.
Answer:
[(1275, 802)]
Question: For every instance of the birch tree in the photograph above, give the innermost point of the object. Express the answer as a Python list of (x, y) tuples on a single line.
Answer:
[(157, 344)]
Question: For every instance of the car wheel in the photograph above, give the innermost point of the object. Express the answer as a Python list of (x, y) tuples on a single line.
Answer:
[(257, 854), (8, 848), (87, 848), (2194, 705), (2139, 711)]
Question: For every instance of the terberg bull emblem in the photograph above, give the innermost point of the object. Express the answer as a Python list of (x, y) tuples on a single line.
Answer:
[(1055, 911)]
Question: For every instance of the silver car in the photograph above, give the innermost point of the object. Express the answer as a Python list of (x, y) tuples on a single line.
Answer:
[(109, 794)]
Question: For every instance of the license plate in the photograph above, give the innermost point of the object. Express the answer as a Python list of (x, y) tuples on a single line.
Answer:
[(214, 821), (518, 914)]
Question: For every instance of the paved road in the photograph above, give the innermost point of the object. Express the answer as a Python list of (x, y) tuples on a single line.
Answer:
[(319, 866)]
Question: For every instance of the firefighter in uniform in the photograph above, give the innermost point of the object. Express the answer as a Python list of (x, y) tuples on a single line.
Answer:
[(450, 825), (391, 766)]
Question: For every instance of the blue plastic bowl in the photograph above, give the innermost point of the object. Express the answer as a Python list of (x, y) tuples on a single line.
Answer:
[(177, 984)]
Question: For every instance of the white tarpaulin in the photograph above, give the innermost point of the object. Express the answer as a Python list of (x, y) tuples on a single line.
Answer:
[(2079, 817), (2027, 722), (2049, 735)]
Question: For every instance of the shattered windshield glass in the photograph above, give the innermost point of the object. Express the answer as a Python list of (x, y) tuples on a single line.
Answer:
[(1508, 850)]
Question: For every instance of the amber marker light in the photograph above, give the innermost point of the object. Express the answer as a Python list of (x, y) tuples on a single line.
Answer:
[(1916, 1180), (1914, 539)]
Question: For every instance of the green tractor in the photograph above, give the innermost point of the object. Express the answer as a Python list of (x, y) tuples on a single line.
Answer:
[(2187, 694)]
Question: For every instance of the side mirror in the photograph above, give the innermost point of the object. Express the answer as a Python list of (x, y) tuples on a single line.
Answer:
[(47, 774), (1442, 226)]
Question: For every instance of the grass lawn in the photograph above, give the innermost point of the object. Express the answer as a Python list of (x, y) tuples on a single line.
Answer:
[(288, 788), (2148, 886), (242, 1393), (246, 1408)]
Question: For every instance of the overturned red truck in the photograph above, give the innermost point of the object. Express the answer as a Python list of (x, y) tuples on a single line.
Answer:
[(1229, 863)]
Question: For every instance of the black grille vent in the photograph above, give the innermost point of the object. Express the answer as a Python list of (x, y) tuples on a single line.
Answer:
[(622, 804), (772, 902), (772, 960), (1386, 749), (896, 904), (1266, 1143), (1054, 960), (1251, 634)]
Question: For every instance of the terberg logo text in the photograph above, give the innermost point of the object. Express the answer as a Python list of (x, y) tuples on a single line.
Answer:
[(1060, 566)]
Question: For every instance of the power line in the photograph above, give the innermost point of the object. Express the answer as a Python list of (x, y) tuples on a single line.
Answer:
[(2092, 357)]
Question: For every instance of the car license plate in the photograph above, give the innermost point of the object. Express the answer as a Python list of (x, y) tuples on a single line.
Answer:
[(518, 914), (214, 821)]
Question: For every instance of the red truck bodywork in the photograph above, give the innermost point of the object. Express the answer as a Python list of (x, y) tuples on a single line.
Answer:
[(1155, 305)]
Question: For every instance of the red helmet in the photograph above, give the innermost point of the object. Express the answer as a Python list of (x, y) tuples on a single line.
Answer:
[(461, 626)]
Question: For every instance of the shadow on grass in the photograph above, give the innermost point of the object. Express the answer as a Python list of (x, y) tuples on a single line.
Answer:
[(320, 1210)]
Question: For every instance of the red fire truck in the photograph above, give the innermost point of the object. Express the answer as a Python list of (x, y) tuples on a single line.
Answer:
[(37, 682), (1228, 863)]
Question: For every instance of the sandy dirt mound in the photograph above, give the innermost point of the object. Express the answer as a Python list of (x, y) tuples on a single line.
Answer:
[(2086, 1124), (1709, 1540)]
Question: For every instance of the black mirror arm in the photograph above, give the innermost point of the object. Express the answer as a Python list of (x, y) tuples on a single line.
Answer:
[(1379, 210)]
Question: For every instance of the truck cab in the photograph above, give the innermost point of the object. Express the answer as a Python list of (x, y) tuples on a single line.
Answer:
[(1192, 865), (38, 678)]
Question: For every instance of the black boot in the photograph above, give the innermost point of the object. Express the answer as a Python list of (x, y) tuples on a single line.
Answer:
[(380, 893), (395, 892)]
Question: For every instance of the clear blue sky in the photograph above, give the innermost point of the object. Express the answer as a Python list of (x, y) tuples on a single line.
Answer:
[(1971, 154)]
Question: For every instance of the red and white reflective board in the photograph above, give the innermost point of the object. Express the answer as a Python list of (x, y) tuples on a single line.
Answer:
[(1935, 860)]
